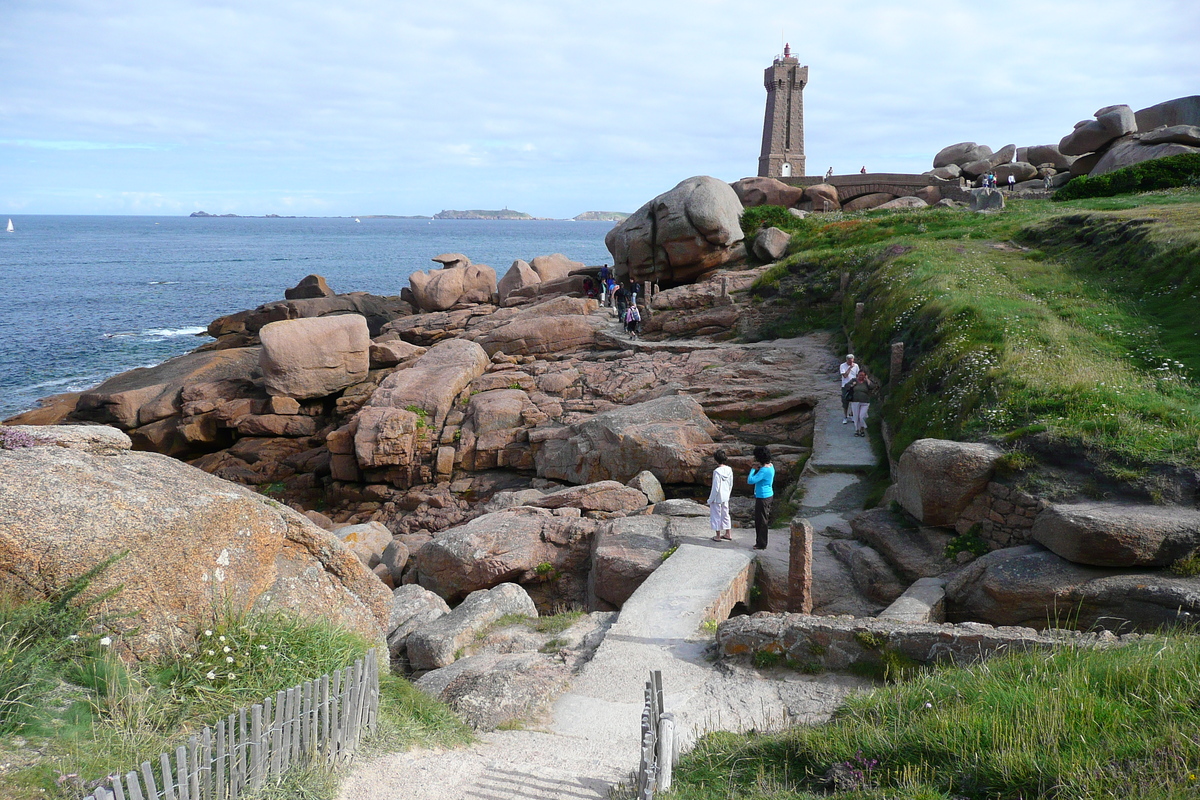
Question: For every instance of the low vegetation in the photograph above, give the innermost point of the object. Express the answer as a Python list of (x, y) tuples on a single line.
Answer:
[(1023, 325), (1067, 724), (72, 712), (1161, 173)]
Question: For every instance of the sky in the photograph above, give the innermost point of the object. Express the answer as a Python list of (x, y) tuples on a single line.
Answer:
[(552, 107)]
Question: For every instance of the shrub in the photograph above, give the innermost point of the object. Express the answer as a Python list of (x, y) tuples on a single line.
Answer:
[(1161, 173), (758, 217)]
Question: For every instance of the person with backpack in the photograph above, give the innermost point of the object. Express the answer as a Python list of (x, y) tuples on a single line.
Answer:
[(633, 319)]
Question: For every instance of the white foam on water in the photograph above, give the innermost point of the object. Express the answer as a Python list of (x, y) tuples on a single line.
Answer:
[(168, 333)]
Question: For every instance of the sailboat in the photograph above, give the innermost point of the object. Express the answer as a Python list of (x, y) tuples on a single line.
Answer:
[(10, 226)]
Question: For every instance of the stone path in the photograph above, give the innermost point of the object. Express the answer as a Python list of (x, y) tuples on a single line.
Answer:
[(589, 741)]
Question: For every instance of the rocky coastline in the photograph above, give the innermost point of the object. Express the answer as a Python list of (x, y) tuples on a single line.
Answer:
[(428, 464)]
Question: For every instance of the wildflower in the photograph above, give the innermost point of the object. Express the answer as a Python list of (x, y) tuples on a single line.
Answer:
[(222, 638), (211, 676), (929, 705), (210, 652), (262, 647), (208, 633), (225, 649), (228, 659), (105, 641)]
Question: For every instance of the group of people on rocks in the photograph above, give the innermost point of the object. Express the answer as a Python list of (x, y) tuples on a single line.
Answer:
[(622, 298), (858, 388), (988, 181)]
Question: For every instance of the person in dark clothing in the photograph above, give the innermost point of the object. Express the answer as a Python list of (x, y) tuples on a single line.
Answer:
[(761, 478), (621, 297)]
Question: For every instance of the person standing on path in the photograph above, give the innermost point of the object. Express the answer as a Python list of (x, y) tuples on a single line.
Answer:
[(828, 174), (761, 478), (621, 301), (718, 499), (860, 399), (863, 171), (849, 371), (633, 319), (1012, 181)]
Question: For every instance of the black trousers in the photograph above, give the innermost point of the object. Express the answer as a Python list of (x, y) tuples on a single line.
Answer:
[(762, 518)]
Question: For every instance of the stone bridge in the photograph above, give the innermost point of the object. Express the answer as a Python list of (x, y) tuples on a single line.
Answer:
[(857, 185)]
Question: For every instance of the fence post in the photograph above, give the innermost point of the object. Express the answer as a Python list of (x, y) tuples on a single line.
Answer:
[(896, 364), (666, 751)]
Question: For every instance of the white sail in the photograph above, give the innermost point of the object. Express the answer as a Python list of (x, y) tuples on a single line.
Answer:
[(10, 226)]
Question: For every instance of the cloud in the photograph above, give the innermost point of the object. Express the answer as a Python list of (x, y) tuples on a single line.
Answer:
[(551, 107)]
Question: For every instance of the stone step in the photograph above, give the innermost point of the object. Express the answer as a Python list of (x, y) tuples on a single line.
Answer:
[(915, 552), (924, 601)]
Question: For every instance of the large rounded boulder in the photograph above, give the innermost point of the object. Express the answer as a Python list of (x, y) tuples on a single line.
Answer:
[(458, 282), (1089, 136), (693, 228)]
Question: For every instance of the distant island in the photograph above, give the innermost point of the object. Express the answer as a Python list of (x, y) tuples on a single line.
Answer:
[(601, 216), (505, 213), (265, 216)]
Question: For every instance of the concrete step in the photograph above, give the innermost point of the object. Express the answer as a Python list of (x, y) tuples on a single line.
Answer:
[(924, 601)]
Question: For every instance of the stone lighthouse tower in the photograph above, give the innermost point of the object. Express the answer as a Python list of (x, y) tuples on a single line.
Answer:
[(783, 129)]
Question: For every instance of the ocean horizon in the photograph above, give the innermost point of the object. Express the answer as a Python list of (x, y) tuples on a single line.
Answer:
[(88, 297)]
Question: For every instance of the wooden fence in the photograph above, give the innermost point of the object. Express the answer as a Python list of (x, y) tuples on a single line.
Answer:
[(658, 742), (324, 718)]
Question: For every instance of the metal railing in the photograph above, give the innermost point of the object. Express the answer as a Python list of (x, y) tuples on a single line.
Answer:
[(658, 742), (323, 718)]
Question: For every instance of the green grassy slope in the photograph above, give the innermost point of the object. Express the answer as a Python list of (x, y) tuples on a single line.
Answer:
[(1062, 326)]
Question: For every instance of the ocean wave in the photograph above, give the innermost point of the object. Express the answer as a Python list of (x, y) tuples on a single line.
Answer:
[(163, 283), (168, 333)]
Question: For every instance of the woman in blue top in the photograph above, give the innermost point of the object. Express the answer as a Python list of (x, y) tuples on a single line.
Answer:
[(761, 478)]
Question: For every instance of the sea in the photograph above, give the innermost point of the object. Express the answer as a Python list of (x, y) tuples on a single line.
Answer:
[(83, 298)]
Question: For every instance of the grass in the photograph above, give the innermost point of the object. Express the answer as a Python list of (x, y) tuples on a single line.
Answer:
[(93, 714), (1067, 724), (1071, 321)]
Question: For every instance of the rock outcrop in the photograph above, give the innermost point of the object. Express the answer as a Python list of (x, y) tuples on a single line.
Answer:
[(435, 644), (760, 191), (458, 282), (682, 233), (670, 436), (308, 358)]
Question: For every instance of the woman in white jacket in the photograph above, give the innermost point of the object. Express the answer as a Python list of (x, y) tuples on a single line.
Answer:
[(718, 499)]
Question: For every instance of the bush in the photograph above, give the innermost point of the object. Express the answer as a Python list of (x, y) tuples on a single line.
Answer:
[(1161, 173), (758, 217)]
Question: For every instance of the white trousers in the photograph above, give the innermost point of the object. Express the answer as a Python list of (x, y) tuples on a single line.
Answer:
[(859, 412)]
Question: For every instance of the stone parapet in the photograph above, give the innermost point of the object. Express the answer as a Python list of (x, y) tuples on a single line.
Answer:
[(877, 646)]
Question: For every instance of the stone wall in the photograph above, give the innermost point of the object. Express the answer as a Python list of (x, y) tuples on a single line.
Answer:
[(1004, 516), (875, 646)]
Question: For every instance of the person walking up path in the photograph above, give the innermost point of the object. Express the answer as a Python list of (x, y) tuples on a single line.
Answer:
[(860, 399), (718, 499), (849, 371), (761, 478)]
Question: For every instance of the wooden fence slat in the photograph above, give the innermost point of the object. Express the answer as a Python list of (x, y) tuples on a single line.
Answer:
[(305, 720), (277, 735), (355, 681), (164, 769), (324, 714), (288, 725), (117, 790), (242, 751), (193, 751), (294, 724), (181, 773), (221, 763), (148, 774), (335, 721), (256, 754), (135, 791), (206, 763)]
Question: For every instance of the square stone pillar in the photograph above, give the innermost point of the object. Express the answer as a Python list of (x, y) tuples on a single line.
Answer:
[(800, 567)]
